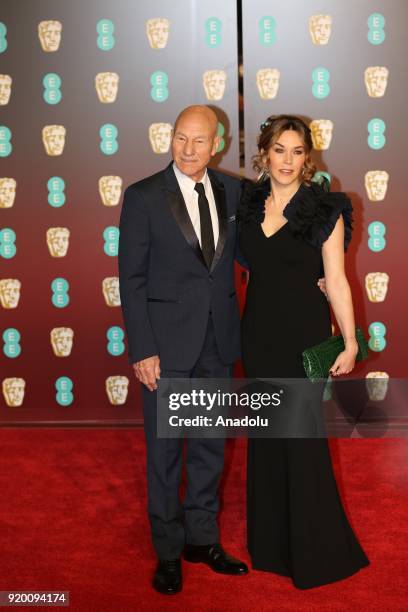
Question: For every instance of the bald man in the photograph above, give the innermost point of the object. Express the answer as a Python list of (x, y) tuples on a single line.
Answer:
[(176, 267)]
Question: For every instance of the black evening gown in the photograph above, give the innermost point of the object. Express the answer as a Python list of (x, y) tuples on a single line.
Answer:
[(296, 524)]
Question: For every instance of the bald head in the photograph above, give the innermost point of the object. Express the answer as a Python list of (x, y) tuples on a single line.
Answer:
[(195, 140), (199, 112)]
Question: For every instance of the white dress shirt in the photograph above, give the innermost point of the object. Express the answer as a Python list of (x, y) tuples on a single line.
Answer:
[(191, 199)]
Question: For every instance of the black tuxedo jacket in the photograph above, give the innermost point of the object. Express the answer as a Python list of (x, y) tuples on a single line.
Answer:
[(166, 289)]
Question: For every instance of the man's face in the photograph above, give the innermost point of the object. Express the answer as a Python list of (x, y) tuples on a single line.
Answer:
[(193, 144)]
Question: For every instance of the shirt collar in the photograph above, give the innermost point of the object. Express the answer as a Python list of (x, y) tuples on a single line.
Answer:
[(187, 182)]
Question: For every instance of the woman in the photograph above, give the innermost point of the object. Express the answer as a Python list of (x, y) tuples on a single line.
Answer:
[(290, 231)]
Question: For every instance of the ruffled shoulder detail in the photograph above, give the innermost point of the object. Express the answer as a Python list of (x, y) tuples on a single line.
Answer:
[(252, 201), (313, 213)]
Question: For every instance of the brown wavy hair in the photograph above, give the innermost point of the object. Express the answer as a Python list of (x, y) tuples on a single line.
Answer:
[(270, 132)]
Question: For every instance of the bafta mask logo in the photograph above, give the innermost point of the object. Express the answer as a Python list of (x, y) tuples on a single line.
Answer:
[(110, 190), (377, 286), (62, 339), (320, 27), (107, 84), (7, 192), (49, 33), (53, 137), (377, 385), (13, 391), (58, 241), (157, 30), (160, 137), (267, 80), (376, 184), (322, 133), (376, 79), (117, 389), (214, 82), (110, 290), (5, 89), (9, 292)]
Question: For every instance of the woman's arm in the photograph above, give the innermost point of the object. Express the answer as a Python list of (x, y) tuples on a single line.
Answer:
[(338, 290)]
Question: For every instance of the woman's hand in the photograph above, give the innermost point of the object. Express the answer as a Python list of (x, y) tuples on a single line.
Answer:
[(345, 360)]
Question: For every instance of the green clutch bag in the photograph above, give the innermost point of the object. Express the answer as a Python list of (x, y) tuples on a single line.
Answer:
[(318, 359)]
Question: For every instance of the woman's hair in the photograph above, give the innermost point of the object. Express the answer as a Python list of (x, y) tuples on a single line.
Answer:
[(271, 130)]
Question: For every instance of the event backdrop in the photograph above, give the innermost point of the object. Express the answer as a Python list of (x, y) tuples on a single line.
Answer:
[(89, 90), (342, 67)]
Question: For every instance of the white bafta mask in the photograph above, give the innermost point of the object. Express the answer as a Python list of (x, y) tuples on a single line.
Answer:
[(160, 137), (107, 85), (377, 385), (157, 30), (376, 184), (267, 80), (53, 137), (9, 292), (7, 192), (322, 133), (320, 27), (214, 82), (110, 190), (117, 389), (110, 290), (5, 89), (13, 391), (376, 79), (377, 286), (58, 241), (62, 339), (49, 33)]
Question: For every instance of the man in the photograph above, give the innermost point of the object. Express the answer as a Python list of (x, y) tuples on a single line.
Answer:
[(176, 269)]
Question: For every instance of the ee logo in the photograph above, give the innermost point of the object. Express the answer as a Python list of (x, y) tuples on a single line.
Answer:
[(56, 195), (115, 336), (7, 240), (109, 144), (105, 30), (220, 133), (5, 144), (11, 339), (64, 387), (159, 81), (52, 84), (376, 241), (377, 341), (376, 138), (321, 87), (267, 34), (320, 176), (111, 237), (60, 288), (3, 39), (213, 27), (376, 34)]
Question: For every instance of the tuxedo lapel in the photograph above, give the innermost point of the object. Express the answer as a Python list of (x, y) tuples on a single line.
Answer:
[(179, 210), (221, 204)]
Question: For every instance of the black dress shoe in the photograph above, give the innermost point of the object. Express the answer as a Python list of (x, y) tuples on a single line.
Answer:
[(214, 556), (167, 578)]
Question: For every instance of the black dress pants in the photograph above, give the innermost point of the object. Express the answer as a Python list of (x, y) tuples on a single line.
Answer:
[(173, 522)]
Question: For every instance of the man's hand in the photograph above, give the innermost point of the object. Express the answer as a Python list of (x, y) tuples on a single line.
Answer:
[(321, 283), (148, 371)]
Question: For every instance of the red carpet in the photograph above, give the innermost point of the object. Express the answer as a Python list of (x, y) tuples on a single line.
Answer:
[(72, 517)]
